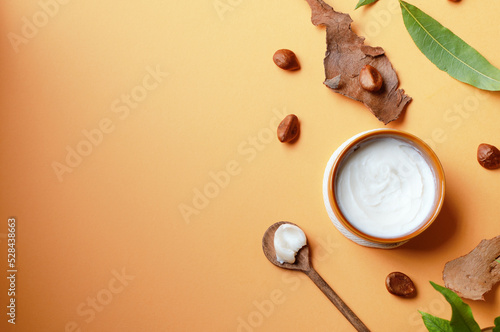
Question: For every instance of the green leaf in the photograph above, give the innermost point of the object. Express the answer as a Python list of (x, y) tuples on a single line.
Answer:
[(435, 324), (462, 319), (447, 51), (364, 2), (497, 325)]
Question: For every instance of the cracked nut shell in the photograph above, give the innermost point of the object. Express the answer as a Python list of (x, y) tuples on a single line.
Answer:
[(488, 156), (400, 284), (370, 79), (288, 129)]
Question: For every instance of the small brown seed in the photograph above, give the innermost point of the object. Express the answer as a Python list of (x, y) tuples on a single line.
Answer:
[(370, 79), (454, 0), (400, 284), (488, 156), (288, 129), (286, 59)]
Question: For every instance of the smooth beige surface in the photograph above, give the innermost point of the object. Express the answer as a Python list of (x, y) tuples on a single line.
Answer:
[(187, 100)]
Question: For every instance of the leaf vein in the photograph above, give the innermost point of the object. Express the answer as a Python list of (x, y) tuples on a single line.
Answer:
[(442, 46)]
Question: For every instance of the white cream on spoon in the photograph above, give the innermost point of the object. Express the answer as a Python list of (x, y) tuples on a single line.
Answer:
[(288, 239)]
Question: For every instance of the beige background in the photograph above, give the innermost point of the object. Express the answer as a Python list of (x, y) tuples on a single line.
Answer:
[(102, 244)]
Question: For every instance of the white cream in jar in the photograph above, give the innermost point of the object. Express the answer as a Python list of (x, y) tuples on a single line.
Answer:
[(385, 188)]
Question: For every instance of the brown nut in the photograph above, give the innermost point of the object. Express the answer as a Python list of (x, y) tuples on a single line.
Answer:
[(488, 156), (400, 284), (288, 129), (370, 79), (286, 59)]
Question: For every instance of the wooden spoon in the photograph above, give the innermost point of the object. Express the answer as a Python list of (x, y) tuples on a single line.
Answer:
[(302, 263)]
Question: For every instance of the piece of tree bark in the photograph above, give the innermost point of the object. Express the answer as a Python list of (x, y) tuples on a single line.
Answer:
[(473, 275), (346, 55)]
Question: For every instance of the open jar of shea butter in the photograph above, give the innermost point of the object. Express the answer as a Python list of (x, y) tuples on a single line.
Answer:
[(383, 187)]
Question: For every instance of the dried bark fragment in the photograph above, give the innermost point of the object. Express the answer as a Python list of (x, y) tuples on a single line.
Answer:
[(473, 275), (333, 83), (346, 54)]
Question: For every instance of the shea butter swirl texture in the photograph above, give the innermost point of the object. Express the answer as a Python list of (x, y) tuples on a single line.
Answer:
[(385, 188)]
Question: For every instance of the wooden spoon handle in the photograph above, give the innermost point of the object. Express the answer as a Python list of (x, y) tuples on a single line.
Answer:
[(336, 300)]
